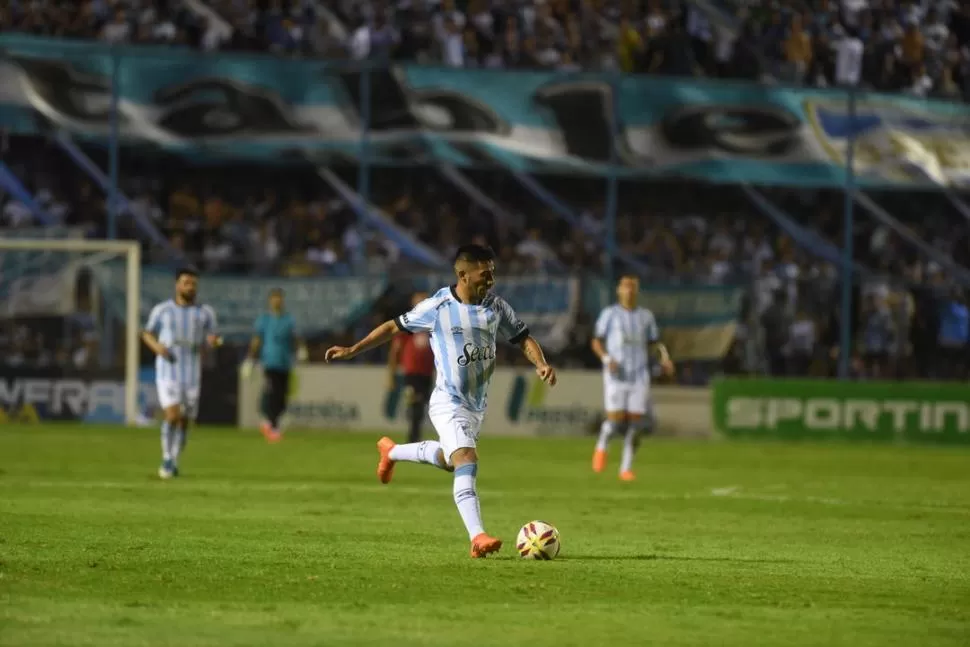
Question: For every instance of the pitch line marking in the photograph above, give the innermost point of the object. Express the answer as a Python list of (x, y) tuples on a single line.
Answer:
[(214, 486)]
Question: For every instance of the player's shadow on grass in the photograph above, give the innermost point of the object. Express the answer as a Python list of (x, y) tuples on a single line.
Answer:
[(672, 558)]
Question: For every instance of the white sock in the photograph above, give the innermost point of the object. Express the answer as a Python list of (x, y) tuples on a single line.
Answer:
[(607, 429), (178, 442), (629, 448), (426, 451), (466, 498), (166, 441)]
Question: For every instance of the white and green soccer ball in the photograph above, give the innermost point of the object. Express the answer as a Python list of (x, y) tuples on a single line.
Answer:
[(538, 540)]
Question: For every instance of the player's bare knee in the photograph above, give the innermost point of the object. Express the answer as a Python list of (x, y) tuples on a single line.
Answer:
[(616, 416), (173, 416), (463, 456)]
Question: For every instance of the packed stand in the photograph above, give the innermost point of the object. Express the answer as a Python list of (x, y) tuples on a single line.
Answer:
[(656, 35), (245, 220), (144, 22), (920, 48), (911, 317)]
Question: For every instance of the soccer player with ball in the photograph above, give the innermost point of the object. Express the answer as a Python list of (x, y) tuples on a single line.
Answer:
[(464, 321)]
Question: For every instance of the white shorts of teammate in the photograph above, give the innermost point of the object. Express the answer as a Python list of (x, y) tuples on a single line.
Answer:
[(174, 393), (457, 426), (630, 397)]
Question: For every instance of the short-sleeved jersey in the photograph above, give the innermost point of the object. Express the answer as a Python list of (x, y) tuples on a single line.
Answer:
[(277, 335), (625, 335), (463, 338), (182, 330)]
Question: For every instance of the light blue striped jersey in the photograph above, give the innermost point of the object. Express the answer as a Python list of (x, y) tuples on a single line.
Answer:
[(181, 329), (463, 340), (625, 335)]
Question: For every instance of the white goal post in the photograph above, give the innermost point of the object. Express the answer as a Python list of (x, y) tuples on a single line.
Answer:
[(93, 252)]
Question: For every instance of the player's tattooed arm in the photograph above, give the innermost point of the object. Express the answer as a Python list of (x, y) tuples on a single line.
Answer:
[(533, 352), (380, 335)]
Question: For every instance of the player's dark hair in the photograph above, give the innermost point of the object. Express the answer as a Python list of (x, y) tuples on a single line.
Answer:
[(276, 292), (186, 271), (474, 254), (627, 275)]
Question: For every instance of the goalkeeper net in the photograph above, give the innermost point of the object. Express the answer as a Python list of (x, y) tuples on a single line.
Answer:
[(66, 352)]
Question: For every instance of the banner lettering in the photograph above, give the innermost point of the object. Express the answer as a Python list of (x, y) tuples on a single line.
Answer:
[(280, 110), (797, 409)]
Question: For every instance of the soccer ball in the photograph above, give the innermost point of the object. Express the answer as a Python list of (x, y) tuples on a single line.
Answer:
[(538, 540)]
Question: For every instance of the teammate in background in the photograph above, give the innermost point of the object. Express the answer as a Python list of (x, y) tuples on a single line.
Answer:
[(624, 337), (177, 331), (464, 321), (413, 354), (273, 343)]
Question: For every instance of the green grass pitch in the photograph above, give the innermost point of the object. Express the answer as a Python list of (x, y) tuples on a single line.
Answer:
[(297, 544)]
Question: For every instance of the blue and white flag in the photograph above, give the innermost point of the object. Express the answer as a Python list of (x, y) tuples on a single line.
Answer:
[(276, 110)]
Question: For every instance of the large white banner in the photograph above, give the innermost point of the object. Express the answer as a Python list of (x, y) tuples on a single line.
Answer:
[(519, 404), (279, 111)]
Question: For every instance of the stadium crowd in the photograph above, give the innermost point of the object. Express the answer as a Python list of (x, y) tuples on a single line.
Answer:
[(291, 223), (247, 221), (919, 47)]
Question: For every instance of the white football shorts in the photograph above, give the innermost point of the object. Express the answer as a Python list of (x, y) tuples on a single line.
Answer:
[(174, 393), (457, 426), (628, 397)]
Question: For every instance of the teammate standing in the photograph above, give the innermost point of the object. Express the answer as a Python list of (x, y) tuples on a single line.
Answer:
[(624, 337), (464, 321), (412, 353), (273, 343), (177, 331)]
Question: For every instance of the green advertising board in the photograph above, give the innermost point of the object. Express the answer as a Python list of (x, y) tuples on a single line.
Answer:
[(800, 409)]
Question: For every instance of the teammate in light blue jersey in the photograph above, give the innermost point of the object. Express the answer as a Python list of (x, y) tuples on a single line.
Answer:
[(624, 338), (177, 332), (464, 321)]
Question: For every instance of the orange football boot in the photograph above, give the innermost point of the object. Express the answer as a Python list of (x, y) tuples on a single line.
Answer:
[(385, 467), (599, 460), (628, 476), (271, 435), (483, 545)]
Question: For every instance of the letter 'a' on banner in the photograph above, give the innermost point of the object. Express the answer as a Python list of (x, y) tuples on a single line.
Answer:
[(800, 409)]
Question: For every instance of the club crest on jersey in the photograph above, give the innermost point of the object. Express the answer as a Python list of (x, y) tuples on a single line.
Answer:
[(472, 353)]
